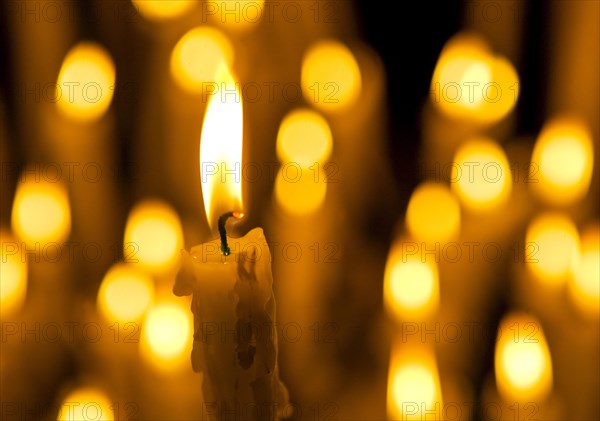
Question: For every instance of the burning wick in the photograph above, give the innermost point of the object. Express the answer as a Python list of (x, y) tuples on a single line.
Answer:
[(222, 221)]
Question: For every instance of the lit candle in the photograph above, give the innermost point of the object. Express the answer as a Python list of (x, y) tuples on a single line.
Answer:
[(235, 341)]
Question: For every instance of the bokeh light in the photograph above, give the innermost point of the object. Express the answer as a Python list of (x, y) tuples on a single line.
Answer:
[(562, 161), (13, 275), (330, 79), (433, 213), (86, 82), (196, 58), (158, 10), (125, 293), (40, 212), (522, 362), (86, 404), (411, 286), (551, 245), (469, 82), (300, 192), (481, 176), (167, 336), (584, 282), (304, 138), (153, 236)]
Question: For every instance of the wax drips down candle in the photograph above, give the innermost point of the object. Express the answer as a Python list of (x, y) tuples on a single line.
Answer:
[(235, 340)]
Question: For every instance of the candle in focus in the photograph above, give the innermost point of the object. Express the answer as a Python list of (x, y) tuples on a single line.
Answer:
[(235, 341)]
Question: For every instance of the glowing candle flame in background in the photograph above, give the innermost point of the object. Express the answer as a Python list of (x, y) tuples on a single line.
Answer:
[(481, 175), (562, 161), (125, 294), (197, 57), (221, 150), (153, 236), (551, 246), (41, 212), (433, 213), (13, 275), (86, 404), (86, 82), (158, 10), (166, 340), (523, 366), (584, 282), (413, 390), (330, 79)]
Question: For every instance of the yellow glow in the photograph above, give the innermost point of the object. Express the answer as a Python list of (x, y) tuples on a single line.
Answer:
[(297, 192), (221, 151), (238, 15), (163, 9), (86, 404), (86, 82), (552, 244), (304, 138), (125, 294), (469, 82), (413, 391), (167, 336), (153, 236), (197, 57), (584, 282), (411, 286), (13, 275), (433, 213), (562, 161), (330, 78), (481, 175), (41, 211), (522, 362)]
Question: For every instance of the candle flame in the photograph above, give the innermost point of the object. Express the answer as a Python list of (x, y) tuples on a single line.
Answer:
[(522, 361), (221, 149)]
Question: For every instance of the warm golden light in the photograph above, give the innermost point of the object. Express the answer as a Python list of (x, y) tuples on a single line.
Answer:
[(86, 404), (221, 150), (469, 82), (238, 15), (433, 213), (551, 245), (522, 362), (40, 212), (562, 161), (330, 78), (481, 176), (125, 294), (413, 391), (584, 282), (163, 9), (297, 191), (86, 82), (197, 57), (411, 285), (13, 275), (153, 236), (167, 336), (304, 138)]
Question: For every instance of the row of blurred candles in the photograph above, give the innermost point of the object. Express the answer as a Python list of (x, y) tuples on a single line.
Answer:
[(470, 86)]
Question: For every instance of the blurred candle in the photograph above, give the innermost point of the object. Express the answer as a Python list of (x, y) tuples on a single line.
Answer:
[(13, 272), (330, 77), (414, 391), (162, 10), (551, 246), (584, 280), (562, 161), (86, 403), (481, 176), (153, 237), (433, 213)]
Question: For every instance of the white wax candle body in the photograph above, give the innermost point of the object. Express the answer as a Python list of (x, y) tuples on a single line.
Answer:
[(235, 340)]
